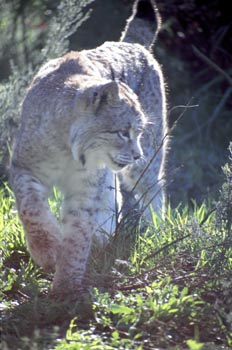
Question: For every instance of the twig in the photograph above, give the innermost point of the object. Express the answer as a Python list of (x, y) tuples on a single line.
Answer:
[(218, 109), (209, 121), (165, 137), (185, 107), (207, 216), (166, 246), (212, 64), (143, 172)]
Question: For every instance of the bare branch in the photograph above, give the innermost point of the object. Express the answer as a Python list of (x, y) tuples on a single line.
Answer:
[(212, 64)]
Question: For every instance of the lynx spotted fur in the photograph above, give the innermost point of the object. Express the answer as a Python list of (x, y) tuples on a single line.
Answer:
[(88, 116)]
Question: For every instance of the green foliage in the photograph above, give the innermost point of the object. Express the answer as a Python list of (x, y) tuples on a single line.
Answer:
[(90, 340), (224, 212), (171, 288), (69, 16), (193, 345)]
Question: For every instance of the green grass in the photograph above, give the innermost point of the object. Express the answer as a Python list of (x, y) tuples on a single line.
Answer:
[(169, 288)]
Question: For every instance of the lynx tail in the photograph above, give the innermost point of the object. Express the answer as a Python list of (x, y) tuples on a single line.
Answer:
[(143, 25)]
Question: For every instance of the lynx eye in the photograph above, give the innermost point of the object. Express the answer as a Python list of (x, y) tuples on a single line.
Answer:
[(125, 134)]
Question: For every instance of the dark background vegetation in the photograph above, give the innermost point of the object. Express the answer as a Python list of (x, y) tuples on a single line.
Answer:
[(194, 49)]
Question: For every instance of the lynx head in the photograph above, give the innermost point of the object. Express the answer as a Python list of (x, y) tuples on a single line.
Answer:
[(108, 127)]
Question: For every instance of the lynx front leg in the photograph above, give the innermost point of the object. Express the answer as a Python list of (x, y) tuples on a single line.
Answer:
[(78, 230), (43, 235)]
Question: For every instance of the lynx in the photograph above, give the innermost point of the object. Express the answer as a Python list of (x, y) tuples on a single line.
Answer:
[(88, 117)]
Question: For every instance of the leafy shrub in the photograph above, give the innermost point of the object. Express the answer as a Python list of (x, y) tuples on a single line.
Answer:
[(224, 207), (70, 15)]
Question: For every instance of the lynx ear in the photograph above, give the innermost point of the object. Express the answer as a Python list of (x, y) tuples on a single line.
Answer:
[(106, 94)]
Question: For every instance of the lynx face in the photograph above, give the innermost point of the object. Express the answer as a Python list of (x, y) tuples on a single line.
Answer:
[(115, 125), (123, 148)]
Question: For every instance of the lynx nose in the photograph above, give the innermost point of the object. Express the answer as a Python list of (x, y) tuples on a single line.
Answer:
[(137, 153), (137, 156)]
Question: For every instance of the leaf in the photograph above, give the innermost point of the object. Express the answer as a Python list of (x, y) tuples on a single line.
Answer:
[(194, 345), (120, 309)]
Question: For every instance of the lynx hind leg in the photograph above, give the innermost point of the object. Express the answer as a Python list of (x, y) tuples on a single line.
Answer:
[(42, 232)]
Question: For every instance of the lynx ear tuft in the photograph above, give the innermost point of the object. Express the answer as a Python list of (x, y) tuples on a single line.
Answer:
[(106, 94)]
